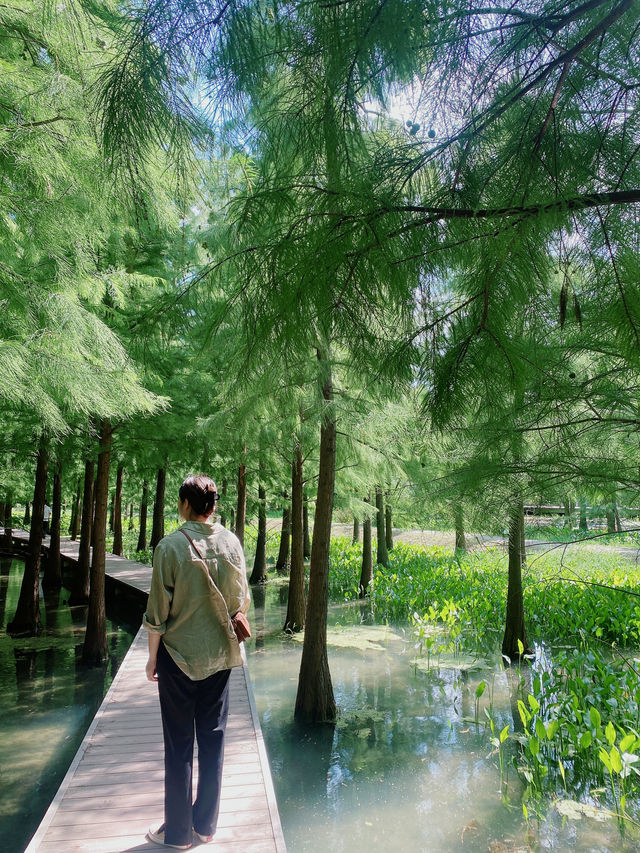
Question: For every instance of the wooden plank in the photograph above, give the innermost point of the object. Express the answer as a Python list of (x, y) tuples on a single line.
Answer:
[(132, 844), (113, 791)]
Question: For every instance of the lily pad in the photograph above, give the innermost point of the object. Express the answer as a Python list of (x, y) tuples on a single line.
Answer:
[(575, 810)]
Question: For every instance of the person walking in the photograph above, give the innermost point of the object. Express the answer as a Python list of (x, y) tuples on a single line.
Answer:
[(198, 584)]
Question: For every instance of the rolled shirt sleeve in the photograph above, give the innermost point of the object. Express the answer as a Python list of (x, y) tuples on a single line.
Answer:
[(161, 592)]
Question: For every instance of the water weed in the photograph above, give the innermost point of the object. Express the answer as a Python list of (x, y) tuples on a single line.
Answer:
[(567, 596)]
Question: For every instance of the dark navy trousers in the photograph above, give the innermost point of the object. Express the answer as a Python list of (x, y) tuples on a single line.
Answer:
[(188, 706)]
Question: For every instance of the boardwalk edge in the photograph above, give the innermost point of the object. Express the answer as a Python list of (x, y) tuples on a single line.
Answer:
[(49, 815)]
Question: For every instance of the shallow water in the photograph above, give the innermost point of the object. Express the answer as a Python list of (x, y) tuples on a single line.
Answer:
[(406, 767), (47, 701)]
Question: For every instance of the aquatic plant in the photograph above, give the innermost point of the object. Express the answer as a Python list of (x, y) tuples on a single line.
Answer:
[(567, 596), (580, 728)]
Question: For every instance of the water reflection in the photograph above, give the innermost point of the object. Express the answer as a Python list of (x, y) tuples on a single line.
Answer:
[(408, 765), (47, 700)]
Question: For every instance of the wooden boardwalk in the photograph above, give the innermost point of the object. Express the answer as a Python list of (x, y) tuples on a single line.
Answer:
[(113, 790)]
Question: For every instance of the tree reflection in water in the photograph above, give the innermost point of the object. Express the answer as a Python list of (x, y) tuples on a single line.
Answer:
[(47, 701)]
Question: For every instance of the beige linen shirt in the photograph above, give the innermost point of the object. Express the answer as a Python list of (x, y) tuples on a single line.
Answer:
[(183, 605)]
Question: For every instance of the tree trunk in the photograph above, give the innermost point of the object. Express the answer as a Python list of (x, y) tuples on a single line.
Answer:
[(81, 578), (233, 520), (282, 563), (52, 578), (296, 602), (388, 527), (611, 518), (27, 622), (583, 516), (117, 515), (382, 558), (93, 515), (315, 701), (568, 520), (8, 520), (94, 650), (523, 547), (112, 504), (306, 539), (27, 514), (223, 516), (259, 573), (131, 524), (241, 509), (144, 504), (356, 530), (619, 527), (458, 514), (157, 529), (74, 527), (366, 573), (514, 623)]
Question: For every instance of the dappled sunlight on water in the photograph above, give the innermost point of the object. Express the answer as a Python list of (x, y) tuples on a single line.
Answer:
[(408, 765)]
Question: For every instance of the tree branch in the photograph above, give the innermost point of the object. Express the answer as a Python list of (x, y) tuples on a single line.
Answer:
[(583, 202), (45, 121)]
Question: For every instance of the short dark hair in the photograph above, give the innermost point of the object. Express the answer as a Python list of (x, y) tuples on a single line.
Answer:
[(201, 493)]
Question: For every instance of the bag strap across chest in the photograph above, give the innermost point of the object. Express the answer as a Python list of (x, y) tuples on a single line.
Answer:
[(219, 597)]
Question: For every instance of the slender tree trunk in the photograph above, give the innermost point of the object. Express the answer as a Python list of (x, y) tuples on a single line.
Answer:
[(458, 513), (514, 623), (74, 527), (144, 504), (117, 514), (131, 524), (241, 509), (305, 529), (366, 573), (233, 520), (27, 514), (583, 516), (223, 515), (93, 515), (568, 520), (356, 530), (382, 558), (296, 602), (282, 563), (26, 621), (619, 527), (52, 578), (388, 527), (2, 511), (523, 546), (81, 578), (259, 573), (157, 530), (611, 518), (94, 651), (315, 701), (112, 505), (8, 520)]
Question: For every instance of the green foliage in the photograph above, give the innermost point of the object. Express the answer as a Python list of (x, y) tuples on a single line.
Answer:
[(558, 533), (566, 598), (581, 725)]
